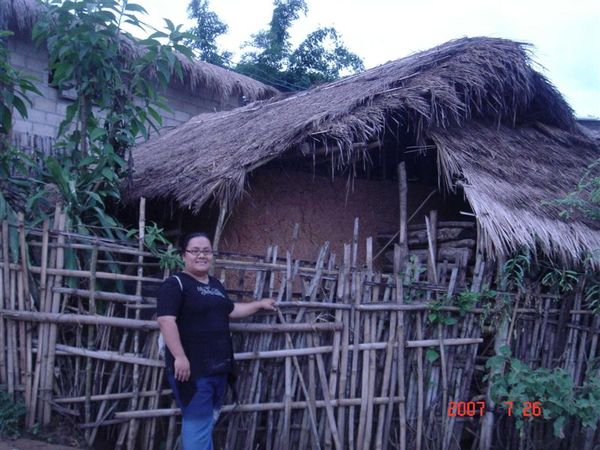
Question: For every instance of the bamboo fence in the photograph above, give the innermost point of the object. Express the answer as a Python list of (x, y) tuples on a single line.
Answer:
[(352, 359)]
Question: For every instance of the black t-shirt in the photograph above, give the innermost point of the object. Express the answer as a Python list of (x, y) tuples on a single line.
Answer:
[(202, 316)]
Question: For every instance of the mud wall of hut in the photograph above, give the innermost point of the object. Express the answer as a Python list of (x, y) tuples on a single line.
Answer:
[(325, 210)]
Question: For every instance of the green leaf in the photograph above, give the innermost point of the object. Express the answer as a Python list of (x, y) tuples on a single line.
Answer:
[(108, 174), (97, 133), (495, 362), (20, 106), (135, 7), (558, 426), (169, 24), (431, 355), (95, 196), (450, 321)]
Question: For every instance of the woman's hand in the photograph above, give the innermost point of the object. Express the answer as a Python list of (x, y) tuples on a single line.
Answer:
[(182, 368), (269, 304)]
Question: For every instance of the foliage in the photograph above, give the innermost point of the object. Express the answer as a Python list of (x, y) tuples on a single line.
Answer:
[(117, 85), (515, 269), (586, 196), (14, 89), (437, 315), (90, 52), (208, 28), (591, 293), (563, 279), (19, 190), (12, 414), (465, 301), (321, 57), (560, 400), (155, 242)]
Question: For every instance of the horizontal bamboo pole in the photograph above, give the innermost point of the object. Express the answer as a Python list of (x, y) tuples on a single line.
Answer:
[(99, 295), (231, 264), (135, 324), (79, 319), (107, 355), (99, 275), (103, 248), (119, 396), (268, 354), (255, 407), (85, 274), (367, 346)]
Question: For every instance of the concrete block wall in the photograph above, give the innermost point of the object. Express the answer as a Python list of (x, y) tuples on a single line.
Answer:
[(48, 110)]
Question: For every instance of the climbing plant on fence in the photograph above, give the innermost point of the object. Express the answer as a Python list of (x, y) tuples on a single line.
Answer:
[(552, 388)]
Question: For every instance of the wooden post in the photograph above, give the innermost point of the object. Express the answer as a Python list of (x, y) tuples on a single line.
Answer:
[(220, 226), (133, 424), (500, 340), (24, 299), (55, 306), (91, 337), (403, 192)]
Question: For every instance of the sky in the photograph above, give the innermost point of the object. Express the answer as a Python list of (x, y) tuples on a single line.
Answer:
[(565, 34)]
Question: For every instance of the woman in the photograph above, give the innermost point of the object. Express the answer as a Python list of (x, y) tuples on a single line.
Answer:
[(193, 312)]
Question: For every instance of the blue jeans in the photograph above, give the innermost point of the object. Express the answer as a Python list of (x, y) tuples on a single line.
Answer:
[(200, 415)]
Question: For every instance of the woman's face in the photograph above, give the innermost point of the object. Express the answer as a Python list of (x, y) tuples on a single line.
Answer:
[(198, 256)]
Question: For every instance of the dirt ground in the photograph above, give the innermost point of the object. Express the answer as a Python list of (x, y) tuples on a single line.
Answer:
[(30, 444)]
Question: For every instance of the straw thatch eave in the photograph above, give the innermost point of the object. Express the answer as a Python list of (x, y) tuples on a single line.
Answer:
[(199, 77), (513, 189), (479, 90)]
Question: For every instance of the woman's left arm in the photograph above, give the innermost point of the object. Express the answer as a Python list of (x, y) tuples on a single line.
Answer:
[(241, 310)]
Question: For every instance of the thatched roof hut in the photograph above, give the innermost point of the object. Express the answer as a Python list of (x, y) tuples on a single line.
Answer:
[(19, 16), (500, 131)]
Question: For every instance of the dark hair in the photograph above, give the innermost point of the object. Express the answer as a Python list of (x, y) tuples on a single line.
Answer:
[(183, 243)]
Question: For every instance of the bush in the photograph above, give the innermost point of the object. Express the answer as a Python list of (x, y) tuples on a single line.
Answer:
[(12, 415)]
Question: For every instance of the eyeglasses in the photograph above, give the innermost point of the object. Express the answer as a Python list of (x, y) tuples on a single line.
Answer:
[(197, 252)]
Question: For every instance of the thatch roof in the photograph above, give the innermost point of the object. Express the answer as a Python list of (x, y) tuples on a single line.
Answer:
[(501, 130), (19, 16)]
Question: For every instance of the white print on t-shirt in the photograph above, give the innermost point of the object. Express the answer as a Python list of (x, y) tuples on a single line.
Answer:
[(207, 290)]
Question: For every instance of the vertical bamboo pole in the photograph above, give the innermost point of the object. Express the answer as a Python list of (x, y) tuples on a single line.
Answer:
[(403, 222), (91, 338), (401, 341), (343, 295), (133, 424), (170, 441), (328, 407), (13, 338), (386, 390), (500, 340), (220, 226), (355, 292), (49, 369), (42, 329), (431, 227), (44, 333), (24, 299), (4, 280), (9, 304), (402, 258)]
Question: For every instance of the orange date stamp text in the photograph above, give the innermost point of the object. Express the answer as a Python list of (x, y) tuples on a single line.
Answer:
[(473, 409)]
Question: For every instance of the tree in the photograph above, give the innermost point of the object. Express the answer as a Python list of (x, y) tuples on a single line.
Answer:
[(321, 57), (117, 81), (208, 28), (14, 88)]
